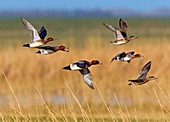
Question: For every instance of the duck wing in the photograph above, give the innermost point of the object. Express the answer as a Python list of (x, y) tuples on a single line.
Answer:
[(80, 65), (87, 77), (83, 64), (116, 32), (131, 53), (119, 56), (144, 71), (42, 33), (48, 47), (122, 25), (33, 32), (119, 35), (123, 54)]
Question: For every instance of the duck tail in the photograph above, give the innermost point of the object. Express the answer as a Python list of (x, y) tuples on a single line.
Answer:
[(128, 61), (112, 60), (26, 45), (130, 82), (67, 67)]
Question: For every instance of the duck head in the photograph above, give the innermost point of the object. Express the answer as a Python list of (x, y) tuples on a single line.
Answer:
[(63, 48), (95, 62), (50, 39), (137, 56)]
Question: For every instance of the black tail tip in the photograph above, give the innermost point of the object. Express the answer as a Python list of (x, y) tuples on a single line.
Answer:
[(67, 68), (26, 45), (112, 60), (128, 61)]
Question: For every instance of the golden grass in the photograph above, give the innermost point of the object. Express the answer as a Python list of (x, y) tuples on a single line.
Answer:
[(35, 80)]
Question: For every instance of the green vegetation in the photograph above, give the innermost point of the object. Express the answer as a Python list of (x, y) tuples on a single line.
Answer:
[(77, 30)]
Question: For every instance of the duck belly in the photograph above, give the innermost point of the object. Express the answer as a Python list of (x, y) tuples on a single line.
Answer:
[(36, 44), (127, 59)]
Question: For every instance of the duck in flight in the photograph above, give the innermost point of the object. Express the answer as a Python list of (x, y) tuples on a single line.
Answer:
[(37, 38), (126, 57), (142, 79), (45, 50), (82, 67), (120, 34)]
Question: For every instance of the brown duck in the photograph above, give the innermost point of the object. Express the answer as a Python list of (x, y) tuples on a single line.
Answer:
[(120, 34), (142, 76)]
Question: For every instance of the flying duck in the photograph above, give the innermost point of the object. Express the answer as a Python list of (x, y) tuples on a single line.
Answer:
[(37, 38), (45, 50), (126, 57), (120, 34), (82, 67), (141, 79)]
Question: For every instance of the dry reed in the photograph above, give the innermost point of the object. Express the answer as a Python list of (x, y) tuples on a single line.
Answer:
[(112, 92)]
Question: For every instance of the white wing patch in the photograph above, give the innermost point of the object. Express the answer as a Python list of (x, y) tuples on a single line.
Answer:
[(127, 59), (75, 67)]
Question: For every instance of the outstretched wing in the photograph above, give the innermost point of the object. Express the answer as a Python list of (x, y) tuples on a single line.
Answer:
[(116, 32), (87, 77), (42, 33), (144, 71), (33, 32), (122, 25)]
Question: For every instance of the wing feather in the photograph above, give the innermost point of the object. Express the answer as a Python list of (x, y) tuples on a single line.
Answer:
[(33, 32), (87, 77), (123, 26), (42, 33), (144, 71), (131, 53), (48, 47), (116, 32)]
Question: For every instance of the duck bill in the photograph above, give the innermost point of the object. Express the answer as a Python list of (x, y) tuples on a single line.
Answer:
[(155, 78), (66, 50)]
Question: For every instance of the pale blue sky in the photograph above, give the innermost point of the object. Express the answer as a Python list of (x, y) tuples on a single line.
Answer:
[(139, 5)]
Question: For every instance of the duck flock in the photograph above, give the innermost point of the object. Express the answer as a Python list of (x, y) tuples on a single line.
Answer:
[(38, 41)]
